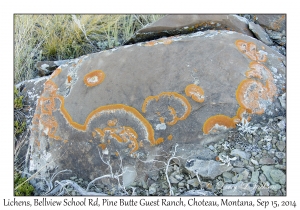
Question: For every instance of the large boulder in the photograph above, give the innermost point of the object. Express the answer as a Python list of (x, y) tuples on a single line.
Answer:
[(125, 107), (184, 24)]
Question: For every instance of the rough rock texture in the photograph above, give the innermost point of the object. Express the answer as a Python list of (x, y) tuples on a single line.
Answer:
[(239, 189), (276, 22), (207, 168), (184, 24), (47, 67), (260, 33), (127, 106)]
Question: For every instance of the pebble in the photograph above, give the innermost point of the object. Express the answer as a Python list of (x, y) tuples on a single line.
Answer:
[(254, 177), (181, 184), (239, 189), (194, 182), (280, 155), (179, 177), (219, 185), (262, 178), (264, 192), (152, 189), (237, 178), (278, 176), (227, 175), (254, 162), (266, 161), (280, 145), (275, 187)]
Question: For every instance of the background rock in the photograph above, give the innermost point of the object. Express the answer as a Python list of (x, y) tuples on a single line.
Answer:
[(184, 24)]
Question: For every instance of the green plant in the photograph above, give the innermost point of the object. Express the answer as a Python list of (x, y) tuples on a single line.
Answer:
[(19, 120), (59, 37), (22, 188)]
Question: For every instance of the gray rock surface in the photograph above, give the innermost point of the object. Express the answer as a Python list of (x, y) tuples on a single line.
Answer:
[(207, 168), (260, 33), (240, 153), (239, 189), (183, 24)]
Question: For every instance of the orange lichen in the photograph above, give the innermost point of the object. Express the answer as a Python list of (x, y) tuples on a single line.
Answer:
[(150, 43), (122, 135), (196, 92), (184, 102), (248, 95), (112, 122), (252, 93), (46, 106), (170, 137), (66, 141), (214, 123), (69, 78), (249, 49), (100, 132), (94, 134), (159, 140), (55, 73), (94, 78), (162, 120), (242, 113), (103, 146), (165, 41)]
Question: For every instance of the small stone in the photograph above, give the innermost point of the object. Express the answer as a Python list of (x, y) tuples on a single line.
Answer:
[(282, 167), (198, 193), (254, 153), (211, 147), (238, 163), (275, 187), (262, 178), (266, 161), (260, 33), (194, 182), (278, 176), (207, 168), (280, 155), (181, 184), (267, 170), (238, 170), (264, 192), (239, 188), (254, 177), (281, 124), (245, 174), (227, 175), (219, 185), (152, 189), (254, 162), (251, 168), (237, 178), (240, 153), (179, 177), (173, 180), (280, 145), (73, 177)]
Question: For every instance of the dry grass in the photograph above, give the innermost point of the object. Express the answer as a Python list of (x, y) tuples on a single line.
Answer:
[(58, 37)]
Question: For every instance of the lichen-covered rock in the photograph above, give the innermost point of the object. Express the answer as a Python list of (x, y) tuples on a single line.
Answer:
[(183, 24), (132, 104), (275, 22)]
